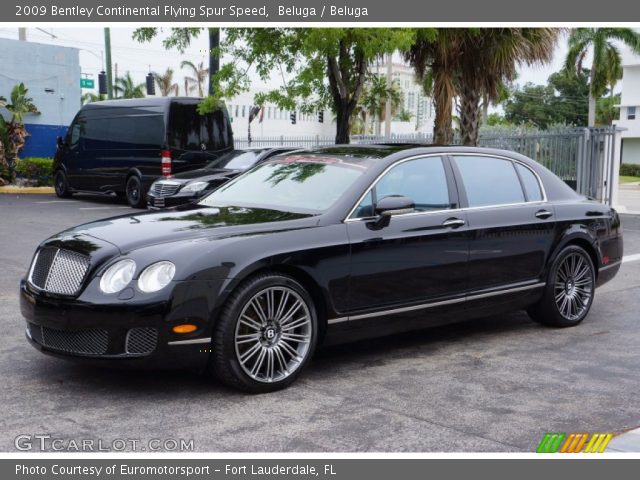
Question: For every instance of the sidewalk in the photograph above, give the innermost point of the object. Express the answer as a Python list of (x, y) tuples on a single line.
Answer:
[(629, 198), (627, 442)]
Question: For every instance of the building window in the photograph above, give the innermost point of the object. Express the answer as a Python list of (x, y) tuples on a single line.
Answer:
[(243, 110), (631, 113)]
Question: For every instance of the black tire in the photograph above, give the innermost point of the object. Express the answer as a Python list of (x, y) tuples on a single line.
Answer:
[(134, 192), (282, 367), (61, 185), (569, 291)]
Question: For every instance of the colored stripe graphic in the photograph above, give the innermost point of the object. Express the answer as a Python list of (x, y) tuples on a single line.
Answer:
[(598, 442), (574, 443), (551, 442)]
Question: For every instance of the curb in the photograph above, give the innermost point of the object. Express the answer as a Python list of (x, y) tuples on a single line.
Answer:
[(27, 190)]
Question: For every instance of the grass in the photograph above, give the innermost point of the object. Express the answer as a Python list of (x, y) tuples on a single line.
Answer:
[(628, 179)]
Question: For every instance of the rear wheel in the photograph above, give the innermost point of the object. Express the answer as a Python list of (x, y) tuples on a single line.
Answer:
[(134, 193), (569, 291), (266, 334), (61, 185)]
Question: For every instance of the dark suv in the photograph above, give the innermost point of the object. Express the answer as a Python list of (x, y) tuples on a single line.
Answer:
[(122, 146)]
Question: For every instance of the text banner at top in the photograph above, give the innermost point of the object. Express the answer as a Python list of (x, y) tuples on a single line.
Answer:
[(350, 11)]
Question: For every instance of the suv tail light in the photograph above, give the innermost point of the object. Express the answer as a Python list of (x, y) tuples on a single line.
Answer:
[(166, 163)]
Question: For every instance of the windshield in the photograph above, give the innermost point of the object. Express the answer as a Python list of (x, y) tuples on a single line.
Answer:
[(311, 186), (236, 160)]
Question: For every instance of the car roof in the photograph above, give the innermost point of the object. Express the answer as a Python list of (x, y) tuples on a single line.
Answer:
[(141, 102)]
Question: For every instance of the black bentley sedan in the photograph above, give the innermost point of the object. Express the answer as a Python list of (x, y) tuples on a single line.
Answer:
[(321, 246), (189, 186)]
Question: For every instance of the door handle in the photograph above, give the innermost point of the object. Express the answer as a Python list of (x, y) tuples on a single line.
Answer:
[(543, 214), (453, 222)]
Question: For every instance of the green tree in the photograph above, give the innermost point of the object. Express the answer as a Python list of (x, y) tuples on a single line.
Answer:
[(13, 133), (90, 97), (488, 58), (376, 93), (319, 67), (606, 63), (126, 87), (165, 83), (607, 110), (198, 78)]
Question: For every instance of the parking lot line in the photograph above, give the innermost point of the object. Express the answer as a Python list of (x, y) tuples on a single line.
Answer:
[(631, 258), (56, 201), (101, 208)]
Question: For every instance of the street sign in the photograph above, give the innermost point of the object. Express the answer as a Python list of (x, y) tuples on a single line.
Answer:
[(86, 83)]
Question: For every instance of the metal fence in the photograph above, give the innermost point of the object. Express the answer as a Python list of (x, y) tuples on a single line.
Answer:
[(583, 157)]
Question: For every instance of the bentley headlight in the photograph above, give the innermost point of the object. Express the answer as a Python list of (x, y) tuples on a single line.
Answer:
[(157, 276), (195, 187), (117, 276)]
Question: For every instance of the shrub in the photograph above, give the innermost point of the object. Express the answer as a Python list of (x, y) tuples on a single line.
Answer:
[(630, 169), (34, 171)]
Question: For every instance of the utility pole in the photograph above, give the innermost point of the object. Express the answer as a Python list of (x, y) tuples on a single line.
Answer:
[(387, 107), (107, 49)]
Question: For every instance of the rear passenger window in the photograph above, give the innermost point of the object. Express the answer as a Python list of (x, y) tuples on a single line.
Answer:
[(530, 183), (489, 181)]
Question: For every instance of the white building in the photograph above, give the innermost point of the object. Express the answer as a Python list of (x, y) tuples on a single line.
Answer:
[(630, 110), (416, 103)]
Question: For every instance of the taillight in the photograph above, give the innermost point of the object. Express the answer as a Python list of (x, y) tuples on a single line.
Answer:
[(166, 163)]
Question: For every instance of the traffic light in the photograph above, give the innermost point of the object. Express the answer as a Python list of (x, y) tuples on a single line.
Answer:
[(151, 84), (293, 118), (102, 83), (321, 116)]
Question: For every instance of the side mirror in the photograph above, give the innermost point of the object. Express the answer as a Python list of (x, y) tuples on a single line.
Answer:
[(389, 206), (60, 142), (394, 205)]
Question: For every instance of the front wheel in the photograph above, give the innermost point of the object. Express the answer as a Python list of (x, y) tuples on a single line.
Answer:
[(569, 291), (265, 335), (134, 193)]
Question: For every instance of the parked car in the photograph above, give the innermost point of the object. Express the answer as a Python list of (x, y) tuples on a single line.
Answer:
[(122, 146), (327, 245), (189, 186)]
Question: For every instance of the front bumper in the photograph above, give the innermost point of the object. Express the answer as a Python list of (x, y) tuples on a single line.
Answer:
[(121, 333)]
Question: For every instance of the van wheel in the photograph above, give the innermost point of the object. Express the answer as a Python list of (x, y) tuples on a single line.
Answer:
[(134, 193), (61, 185)]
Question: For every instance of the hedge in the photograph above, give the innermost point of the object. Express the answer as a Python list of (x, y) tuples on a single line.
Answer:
[(35, 171), (630, 169)]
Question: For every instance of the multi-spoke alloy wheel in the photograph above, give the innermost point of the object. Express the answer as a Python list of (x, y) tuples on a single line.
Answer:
[(273, 334), (573, 286), (265, 334), (569, 291)]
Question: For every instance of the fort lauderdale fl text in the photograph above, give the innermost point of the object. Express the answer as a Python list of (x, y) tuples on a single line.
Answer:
[(180, 12)]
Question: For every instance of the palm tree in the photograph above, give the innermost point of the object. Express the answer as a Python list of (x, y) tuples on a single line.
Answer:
[(435, 62), (125, 87), (199, 77), (606, 61), (13, 133), (488, 58), (165, 83), (90, 97)]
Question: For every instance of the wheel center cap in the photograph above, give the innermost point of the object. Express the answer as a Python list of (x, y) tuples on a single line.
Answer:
[(569, 286)]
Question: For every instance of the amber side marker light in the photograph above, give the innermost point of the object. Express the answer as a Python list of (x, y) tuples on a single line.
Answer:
[(185, 328)]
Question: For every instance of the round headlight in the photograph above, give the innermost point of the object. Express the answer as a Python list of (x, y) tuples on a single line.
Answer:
[(157, 276), (117, 276), (195, 187)]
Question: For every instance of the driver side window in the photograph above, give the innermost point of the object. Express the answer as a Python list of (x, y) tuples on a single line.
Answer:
[(75, 132), (423, 180)]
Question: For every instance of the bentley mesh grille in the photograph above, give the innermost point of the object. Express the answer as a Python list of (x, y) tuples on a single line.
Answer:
[(58, 271), (141, 340), (88, 342)]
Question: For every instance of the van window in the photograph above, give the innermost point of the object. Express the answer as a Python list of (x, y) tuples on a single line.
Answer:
[(184, 127), (124, 132), (216, 134)]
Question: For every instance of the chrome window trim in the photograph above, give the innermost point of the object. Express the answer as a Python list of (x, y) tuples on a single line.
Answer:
[(544, 200), (424, 306)]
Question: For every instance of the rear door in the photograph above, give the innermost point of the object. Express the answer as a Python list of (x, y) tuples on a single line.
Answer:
[(511, 225)]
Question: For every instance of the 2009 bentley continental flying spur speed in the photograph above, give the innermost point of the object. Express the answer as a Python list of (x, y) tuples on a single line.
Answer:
[(317, 246)]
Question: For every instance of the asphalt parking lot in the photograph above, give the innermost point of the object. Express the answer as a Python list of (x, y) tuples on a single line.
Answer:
[(496, 384)]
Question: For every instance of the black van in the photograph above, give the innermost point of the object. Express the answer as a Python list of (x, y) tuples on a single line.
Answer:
[(122, 146)]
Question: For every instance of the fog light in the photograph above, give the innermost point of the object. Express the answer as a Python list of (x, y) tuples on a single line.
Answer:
[(185, 328)]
